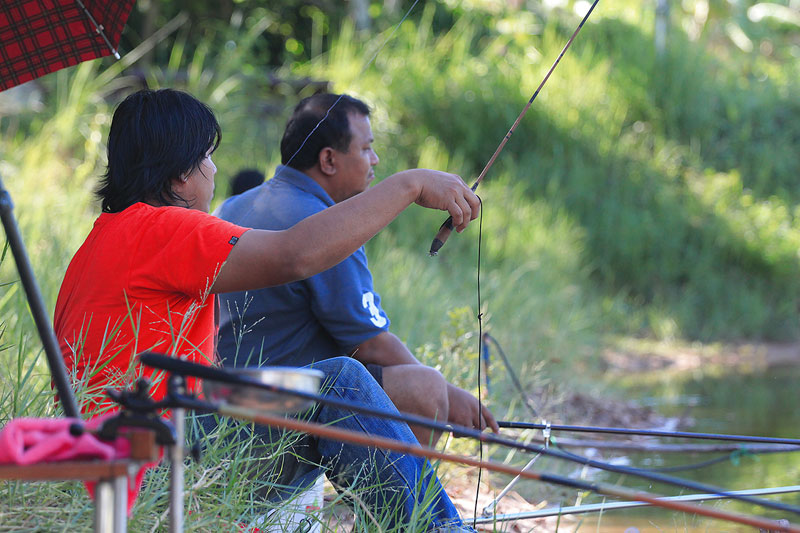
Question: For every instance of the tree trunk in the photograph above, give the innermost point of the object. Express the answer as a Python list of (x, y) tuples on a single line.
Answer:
[(359, 10), (151, 11)]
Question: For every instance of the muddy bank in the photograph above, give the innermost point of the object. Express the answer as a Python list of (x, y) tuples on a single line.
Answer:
[(634, 356)]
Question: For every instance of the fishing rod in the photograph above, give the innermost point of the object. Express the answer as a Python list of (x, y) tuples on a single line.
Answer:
[(647, 432), (186, 368), (610, 506), (343, 435), (447, 227), (638, 446), (733, 449)]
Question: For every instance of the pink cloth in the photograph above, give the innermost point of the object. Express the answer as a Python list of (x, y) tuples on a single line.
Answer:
[(27, 441)]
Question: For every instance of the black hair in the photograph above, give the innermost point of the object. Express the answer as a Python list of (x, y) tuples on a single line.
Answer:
[(300, 147), (246, 179), (156, 137)]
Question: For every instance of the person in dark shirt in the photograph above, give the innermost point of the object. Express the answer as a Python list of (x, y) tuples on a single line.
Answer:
[(336, 312), (246, 179)]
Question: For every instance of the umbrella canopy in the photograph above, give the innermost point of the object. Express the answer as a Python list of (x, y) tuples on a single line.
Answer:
[(41, 36)]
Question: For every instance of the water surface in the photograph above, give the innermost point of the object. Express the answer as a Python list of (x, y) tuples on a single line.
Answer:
[(760, 403)]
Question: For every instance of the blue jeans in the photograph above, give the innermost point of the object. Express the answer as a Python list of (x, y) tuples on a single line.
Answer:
[(406, 484)]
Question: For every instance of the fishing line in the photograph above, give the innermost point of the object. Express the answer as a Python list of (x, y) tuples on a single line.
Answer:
[(677, 468), (447, 227), (733, 457), (696, 466), (480, 347)]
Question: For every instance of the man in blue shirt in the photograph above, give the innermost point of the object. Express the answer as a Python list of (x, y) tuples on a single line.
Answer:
[(338, 311)]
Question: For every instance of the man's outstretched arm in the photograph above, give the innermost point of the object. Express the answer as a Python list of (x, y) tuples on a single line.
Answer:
[(265, 258)]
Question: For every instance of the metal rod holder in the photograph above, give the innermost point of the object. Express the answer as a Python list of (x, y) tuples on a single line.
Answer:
[(176, 478)]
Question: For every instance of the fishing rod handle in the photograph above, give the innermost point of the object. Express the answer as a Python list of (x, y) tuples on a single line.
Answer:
[(441, 237), (188, 368), (447, 228)]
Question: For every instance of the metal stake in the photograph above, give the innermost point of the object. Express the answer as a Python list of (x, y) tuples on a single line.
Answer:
[(490, 509), (176, 477)]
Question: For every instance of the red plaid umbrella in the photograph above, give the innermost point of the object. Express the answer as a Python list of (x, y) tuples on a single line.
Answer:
[(41, 36)]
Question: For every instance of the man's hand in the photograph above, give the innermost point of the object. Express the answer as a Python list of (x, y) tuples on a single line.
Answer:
[(445, 191), (464, 410)]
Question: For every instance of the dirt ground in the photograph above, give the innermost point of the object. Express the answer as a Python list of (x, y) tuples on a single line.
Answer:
[(636, 356)]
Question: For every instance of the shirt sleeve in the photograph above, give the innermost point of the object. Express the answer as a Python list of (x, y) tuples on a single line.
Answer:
[(184, 250), (345, 303)]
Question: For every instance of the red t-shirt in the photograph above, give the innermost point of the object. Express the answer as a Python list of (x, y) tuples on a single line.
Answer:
[(141, 282)]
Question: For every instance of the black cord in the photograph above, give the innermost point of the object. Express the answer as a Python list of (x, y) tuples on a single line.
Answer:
[(677, 468), (732, 457), (693, 466), (526, 401)]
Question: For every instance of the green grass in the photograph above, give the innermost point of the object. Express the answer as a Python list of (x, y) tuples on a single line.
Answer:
[(678, 170)]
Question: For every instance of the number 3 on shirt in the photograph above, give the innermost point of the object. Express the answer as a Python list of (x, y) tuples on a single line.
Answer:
[(368, 302)]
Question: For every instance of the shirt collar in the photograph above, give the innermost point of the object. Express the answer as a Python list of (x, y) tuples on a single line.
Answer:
[(300, 180)]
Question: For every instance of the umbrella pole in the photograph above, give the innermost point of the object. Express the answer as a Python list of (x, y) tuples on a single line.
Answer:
[(36, 303)]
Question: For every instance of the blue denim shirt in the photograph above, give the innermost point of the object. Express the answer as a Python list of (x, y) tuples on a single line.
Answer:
[(310, 320)]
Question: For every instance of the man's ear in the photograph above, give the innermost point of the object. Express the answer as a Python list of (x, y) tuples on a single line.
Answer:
[(179, 183), (327, 161)]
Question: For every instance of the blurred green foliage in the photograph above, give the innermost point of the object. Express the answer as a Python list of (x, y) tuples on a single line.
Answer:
[(680, 168), (645, 194)]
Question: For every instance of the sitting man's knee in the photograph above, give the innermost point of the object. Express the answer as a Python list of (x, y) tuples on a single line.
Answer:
[(345, 376), (419, 389), (432, 377), (342, 367), (438, 393)]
